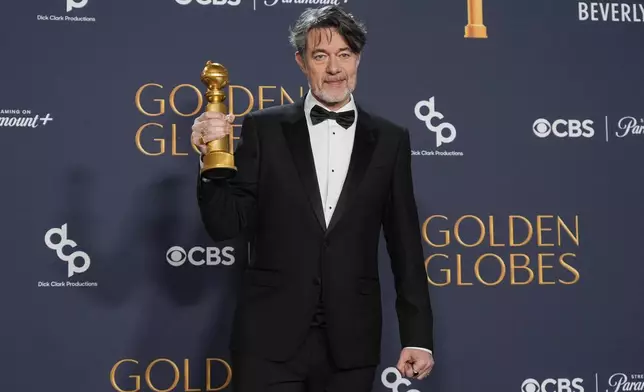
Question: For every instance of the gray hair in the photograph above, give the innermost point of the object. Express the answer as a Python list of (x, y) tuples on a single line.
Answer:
[(330, 16)]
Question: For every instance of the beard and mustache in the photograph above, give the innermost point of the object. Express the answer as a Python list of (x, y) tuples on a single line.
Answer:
[(333, 97)]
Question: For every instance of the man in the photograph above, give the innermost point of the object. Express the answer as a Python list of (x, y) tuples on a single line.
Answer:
[(316, 181)]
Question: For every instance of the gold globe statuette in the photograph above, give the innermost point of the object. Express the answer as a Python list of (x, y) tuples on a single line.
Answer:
[(219, 160), (475, 27)]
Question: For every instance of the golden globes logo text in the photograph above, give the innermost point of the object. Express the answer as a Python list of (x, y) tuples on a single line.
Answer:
[(510, 250), (165, 375), (171, 111)]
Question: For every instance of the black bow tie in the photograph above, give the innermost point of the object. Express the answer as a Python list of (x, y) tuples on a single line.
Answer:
[(345, 119)]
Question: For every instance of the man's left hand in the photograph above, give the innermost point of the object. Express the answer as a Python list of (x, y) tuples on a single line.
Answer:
[(414, 360)]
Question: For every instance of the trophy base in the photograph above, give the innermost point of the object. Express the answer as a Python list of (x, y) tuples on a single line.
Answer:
[(475, 31), (219, 173), (218, 165)]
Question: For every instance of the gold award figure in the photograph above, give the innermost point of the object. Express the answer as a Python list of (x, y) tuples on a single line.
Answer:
[(475, 27), (219, 161)]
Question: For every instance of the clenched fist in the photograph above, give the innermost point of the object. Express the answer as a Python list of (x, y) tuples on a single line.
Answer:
[(415, 363), (211, 126)]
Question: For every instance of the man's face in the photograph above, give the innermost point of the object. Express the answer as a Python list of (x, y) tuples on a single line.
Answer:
[(330, 67)]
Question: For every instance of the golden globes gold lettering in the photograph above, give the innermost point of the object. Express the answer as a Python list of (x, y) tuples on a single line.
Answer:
[(178, 373), (475, 27), (169, 109), (513, 267)]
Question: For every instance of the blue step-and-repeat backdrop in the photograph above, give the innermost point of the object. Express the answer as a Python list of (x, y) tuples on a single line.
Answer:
[(528, 159)]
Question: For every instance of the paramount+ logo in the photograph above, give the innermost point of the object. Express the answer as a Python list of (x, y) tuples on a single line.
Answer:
[(563, 128), (553, 385)]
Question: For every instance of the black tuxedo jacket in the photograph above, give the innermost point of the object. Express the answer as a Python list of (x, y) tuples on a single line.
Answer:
[(274, 200)]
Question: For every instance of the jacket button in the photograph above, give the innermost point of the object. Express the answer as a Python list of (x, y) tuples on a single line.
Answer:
[(326, 243), (317, 281)]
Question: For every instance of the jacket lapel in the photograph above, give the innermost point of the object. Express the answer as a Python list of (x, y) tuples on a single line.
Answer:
[(363, 146), (297, 138)]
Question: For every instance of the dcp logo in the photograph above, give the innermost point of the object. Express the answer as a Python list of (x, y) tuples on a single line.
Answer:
[(563, 128), (177, 256), (58, 247), (399, 379), (210, 2), (76, 4), (432, 114), (552, 385)]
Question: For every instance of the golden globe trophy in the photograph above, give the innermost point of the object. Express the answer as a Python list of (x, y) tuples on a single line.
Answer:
[(219, 161), (475, 27)]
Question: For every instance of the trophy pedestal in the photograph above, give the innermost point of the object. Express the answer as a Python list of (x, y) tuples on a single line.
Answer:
[(218, 165), (475, 31)]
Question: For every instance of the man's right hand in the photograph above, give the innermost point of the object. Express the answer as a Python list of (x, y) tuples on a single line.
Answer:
[(211, 126)]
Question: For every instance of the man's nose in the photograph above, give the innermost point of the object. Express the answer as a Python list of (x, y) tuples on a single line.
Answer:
[(332, 66)]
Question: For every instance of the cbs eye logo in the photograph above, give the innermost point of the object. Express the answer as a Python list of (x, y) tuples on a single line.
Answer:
[(198, 256), (211, 2), (563, 128), (530, 385), (552, 385)]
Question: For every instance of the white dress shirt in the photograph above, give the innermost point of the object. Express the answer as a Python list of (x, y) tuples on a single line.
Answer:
[(332, 146)]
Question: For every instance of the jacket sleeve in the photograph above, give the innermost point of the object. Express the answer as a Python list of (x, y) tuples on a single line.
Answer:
[(402, 234), (229, 207)]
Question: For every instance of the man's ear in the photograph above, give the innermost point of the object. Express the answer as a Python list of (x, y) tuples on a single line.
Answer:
[(300, 61)]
